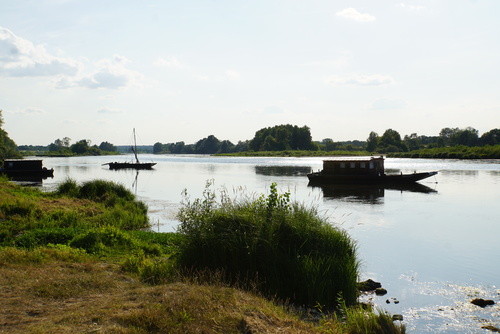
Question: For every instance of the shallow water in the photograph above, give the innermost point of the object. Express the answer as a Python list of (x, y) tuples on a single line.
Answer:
[(433, 248)]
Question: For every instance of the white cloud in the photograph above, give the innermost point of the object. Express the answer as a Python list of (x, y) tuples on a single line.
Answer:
[(232, 75), (21, 58), (386, 103), (410, 7), (110, 73), (353, 14), (110, 111), (172, 62), (360, 80), (28, 111), (337, 63)]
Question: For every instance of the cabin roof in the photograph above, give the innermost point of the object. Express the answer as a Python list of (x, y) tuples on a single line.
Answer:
[(355, 159)]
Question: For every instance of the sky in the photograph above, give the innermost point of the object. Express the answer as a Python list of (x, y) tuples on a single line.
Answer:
[(184, 70)]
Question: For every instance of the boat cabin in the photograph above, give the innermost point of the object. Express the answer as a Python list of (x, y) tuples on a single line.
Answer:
[(372, 166), (15, 165)]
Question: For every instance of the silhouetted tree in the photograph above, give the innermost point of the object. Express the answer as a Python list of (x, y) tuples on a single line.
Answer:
[(491, 137), (108, 147), (81, 146), (8, 148), (372, 142)]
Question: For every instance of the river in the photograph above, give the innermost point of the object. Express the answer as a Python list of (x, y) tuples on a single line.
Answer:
[(434, 248)]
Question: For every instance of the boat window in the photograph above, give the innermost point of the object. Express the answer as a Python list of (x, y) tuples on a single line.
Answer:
[(362, 165), (353, 165), (371, 165), (342, 165)]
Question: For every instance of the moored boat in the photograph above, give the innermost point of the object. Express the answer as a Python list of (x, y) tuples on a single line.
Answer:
[(361, 171), (131, 164), (25, 168)]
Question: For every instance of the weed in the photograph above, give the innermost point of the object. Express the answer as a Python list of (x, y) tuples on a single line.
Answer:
[(287, 248)]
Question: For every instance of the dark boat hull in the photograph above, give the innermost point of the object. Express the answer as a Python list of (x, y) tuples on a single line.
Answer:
[(131, 165), (324, 178), (44, 173)]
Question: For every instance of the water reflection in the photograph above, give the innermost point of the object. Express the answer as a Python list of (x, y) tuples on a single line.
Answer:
[(368, 194), (29, 180), (283, 170)]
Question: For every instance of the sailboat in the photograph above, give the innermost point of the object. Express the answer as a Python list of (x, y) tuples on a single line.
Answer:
[(131, 165)]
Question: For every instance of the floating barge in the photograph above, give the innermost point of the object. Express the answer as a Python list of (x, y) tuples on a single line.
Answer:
[(361, 171), (15, 168)]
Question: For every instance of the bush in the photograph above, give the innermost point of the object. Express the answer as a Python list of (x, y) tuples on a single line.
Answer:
[(283, 248), (42, 237)]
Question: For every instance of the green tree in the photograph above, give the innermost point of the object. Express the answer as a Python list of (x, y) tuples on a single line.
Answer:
[(81, 146), (491, 137), (60, 145), (283, 137), (328, 144), (413, 141), (8, 148), (372, 142), (391, 142), (209, 145), (108, 147)]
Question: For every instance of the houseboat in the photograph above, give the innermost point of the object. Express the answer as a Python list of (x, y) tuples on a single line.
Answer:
[(361, 171), (14, 168)]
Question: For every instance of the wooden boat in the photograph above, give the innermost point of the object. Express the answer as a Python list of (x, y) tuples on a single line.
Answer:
[(365, 171), (133, 164), (15, 168)]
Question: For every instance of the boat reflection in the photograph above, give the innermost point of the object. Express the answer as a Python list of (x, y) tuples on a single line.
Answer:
[(368, 194), (282, 170)]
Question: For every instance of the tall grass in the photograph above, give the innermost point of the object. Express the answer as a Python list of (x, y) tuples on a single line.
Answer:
[(285, 248)]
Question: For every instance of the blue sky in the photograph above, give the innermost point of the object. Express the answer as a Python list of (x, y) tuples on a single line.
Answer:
[(183, 70)]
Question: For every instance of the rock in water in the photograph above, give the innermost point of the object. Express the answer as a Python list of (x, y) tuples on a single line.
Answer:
[(482, 302), (368, 285)]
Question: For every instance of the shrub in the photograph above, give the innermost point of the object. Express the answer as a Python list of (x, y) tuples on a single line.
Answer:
[(42, 237), (98, 240), (284, 248)]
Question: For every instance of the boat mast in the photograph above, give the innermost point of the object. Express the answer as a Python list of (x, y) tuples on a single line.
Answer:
[(134, 149)]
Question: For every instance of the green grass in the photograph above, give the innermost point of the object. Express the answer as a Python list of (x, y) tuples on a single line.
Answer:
[(283, 248), (88, 240)]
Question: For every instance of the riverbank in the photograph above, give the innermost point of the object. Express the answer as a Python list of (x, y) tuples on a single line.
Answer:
[(455, 152), (83, 249)]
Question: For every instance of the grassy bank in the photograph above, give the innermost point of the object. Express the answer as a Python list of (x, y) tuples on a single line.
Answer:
[(295, 153), (80, 259), (455, 152)]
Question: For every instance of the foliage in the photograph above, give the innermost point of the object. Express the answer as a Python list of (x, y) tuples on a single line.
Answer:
[(31, 218), (455, 152), (282, 137), (361, 320), (8, 148), (284, 248)]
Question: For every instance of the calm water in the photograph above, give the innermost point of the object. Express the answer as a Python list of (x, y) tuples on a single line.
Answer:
[(433, 248)]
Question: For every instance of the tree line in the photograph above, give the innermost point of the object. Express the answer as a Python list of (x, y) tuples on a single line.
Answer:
[(287, 137)]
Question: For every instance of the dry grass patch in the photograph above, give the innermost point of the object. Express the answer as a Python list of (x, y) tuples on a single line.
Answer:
[(96, 297)]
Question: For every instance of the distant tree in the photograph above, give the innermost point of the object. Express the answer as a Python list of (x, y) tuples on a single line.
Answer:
[(283, 137), (81, 146), (456, 136), (241, 146), (491, 137), (60, 145), (209, 145), (8, 148), (391, 142), (413, 141), (467, 137), (372, 142), (328, 144), (108, 147), (226, 147)]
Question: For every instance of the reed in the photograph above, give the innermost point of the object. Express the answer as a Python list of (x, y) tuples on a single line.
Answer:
[(286, 249)]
